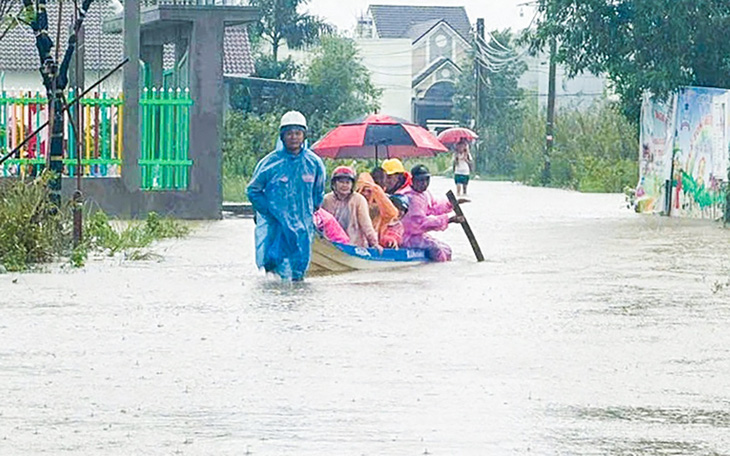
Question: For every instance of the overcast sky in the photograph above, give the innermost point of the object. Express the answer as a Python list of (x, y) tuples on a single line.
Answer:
[(497, 14)]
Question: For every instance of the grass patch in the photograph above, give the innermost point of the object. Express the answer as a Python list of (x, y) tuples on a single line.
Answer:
[(33, 231)]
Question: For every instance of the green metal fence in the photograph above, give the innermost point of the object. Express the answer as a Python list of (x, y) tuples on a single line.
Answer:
[(164, 158), (165, 124)]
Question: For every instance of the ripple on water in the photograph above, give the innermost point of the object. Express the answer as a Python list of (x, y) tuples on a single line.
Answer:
[(667, 415)]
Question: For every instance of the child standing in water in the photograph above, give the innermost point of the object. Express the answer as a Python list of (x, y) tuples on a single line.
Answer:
[(463, 163)]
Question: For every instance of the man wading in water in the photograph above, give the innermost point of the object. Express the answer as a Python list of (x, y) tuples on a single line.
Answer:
[(286, 188)]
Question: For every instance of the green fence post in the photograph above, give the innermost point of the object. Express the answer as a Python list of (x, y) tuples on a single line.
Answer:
[(178, 169), (170, 130), (157, 153), (147, 133), (164, 138), (186, 136)]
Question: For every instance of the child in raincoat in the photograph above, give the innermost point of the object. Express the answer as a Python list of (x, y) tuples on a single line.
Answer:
[(330, 228), (425, 214), (392, 236), (382, 210), (286, 188)]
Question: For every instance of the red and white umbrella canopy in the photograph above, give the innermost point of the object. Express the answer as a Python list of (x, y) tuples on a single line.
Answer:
[(378, 136), (454, 135)]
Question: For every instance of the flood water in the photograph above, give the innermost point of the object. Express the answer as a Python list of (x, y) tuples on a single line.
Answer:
[(589, 330)]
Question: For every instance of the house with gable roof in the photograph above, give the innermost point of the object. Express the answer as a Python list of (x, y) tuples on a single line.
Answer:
[(427, 44)]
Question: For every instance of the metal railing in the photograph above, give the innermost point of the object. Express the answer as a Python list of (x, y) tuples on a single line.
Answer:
[(99, 141), (165, 128), (164, 158)]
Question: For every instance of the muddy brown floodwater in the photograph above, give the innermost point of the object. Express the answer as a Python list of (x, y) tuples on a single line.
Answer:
[(589, 330)]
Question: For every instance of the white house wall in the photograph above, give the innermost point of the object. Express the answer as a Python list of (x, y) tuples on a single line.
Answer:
[(389, 62), (579, 92), (31, 81)]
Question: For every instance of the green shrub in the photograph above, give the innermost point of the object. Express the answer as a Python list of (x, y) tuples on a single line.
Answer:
[(100, 235), (31, 229), (594, 150), (246, 139)]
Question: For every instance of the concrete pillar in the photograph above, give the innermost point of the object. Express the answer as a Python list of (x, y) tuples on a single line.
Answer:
[(153, 57), (76, 78), (130, 87), (206, 80)]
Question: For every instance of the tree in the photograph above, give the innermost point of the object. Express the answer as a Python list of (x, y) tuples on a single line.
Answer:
[(340, 88), (280, 20), (269, 68), (8, 20), (55, 80), (499, 112), (654, 45)]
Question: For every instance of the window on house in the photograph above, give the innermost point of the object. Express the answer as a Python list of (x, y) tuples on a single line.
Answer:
[(440, 43)]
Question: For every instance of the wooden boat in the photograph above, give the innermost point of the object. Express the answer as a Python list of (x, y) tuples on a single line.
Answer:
[(333, 257)]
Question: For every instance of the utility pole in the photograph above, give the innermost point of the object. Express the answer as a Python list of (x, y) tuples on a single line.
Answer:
[(478, 70), (550, 126)]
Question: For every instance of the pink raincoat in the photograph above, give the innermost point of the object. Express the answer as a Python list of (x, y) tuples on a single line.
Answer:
[(330, 228), (426, 214)]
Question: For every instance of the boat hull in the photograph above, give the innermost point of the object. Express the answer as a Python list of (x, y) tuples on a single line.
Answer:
[(333, 257)]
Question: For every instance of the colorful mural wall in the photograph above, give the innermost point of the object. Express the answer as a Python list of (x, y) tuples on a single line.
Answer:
[(683, 157)]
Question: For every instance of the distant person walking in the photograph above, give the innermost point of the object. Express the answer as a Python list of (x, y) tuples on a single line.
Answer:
[(463, 165), (286, 188)]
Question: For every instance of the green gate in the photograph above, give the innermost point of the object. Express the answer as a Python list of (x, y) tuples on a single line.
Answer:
[(164, 161)]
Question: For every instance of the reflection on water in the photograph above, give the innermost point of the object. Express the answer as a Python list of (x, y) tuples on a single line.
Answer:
[(588, 330), (716, 418)]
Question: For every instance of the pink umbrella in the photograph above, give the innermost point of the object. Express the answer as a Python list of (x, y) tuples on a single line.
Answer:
[(454, 135), (378, 136)]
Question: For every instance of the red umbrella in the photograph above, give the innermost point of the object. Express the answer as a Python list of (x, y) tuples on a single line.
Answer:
[(454, 135), (378, 136)]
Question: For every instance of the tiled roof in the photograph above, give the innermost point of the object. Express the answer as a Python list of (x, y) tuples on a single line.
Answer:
[(237, 57), (418, 29), (398, 21), (105, 50)]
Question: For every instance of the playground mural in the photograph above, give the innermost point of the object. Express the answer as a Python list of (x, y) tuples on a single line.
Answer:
[(683, 154)]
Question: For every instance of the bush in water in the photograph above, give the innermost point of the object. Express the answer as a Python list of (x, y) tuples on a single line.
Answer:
[(33, 231), (594, 150)]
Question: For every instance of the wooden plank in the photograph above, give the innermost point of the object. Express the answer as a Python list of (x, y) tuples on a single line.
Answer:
[(467, 229)]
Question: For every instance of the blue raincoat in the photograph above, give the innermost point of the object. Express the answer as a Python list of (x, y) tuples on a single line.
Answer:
[(285, 190)]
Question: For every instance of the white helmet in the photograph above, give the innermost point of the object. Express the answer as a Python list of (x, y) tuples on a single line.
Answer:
[(293, 118)]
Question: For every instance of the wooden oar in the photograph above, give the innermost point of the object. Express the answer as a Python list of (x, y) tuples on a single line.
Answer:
[(467, 229)]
